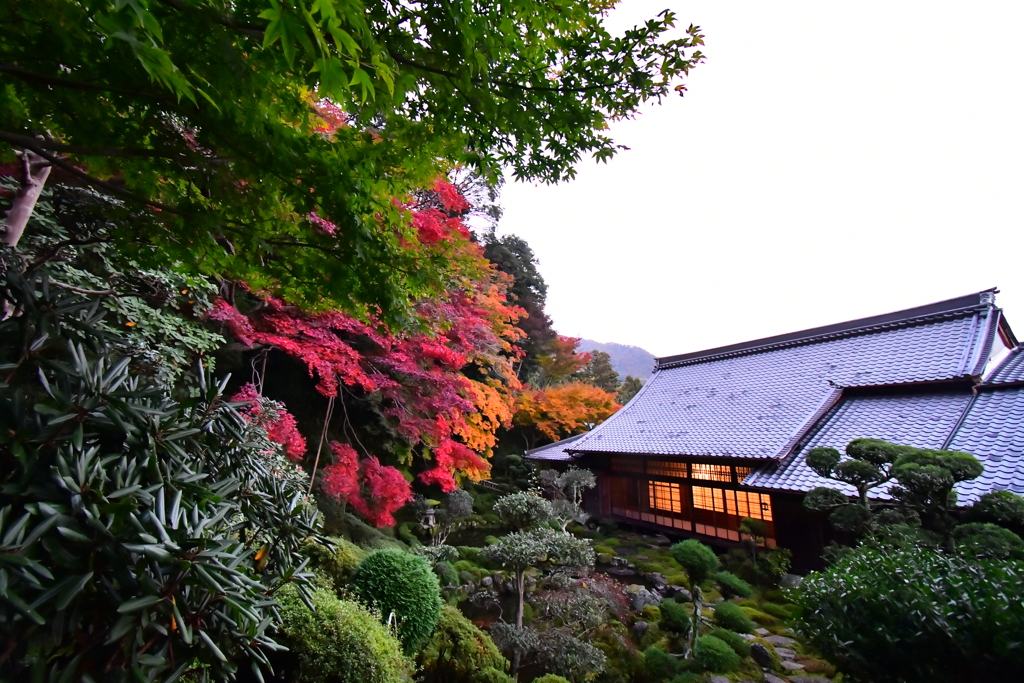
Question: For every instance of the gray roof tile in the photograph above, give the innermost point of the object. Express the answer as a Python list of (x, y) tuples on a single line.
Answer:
[(749, 405), (993, 431), (553, 451), (1011, 369), (923, 420)]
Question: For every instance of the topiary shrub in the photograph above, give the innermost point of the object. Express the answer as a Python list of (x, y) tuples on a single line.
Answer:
[(550, 678), (675, 617), (338, 642), (697, 559), (713, 654), (983, 540), (732, 617), (659, 664), (733, 586), (738, 643), (457, 650), (393, 581)]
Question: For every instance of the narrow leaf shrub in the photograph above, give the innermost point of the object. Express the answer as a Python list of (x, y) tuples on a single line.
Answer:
[(396, 582), (338, 641), (715, 655), (889, 615), (732, 617), (733, 586)]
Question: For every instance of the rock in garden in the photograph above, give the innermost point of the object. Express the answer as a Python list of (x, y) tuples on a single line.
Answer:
[(772, 678), (747, 636), (785, 653), (762, 632), (640, 628), (719, 679), (661, 539), (659, 581), (790, 580), (791, 666), (808, 679), (487, 582), (761, 655), (681, 593), (640, 597), (777, 641)]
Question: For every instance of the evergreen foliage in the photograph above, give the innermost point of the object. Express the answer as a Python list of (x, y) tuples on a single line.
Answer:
[(394, 582), (738, 643), (523, 510), (713, 654), (338, 641), (733, 586), (731, 616), (675, 617), (457, 651), (697, 559)]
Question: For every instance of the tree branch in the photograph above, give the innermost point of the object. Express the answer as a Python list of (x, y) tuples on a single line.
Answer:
[(81, 290), (247, 28), (128, 152), (33, 178), (57, 82)]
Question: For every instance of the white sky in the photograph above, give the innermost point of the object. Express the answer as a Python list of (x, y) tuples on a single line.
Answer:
[(831, 160)]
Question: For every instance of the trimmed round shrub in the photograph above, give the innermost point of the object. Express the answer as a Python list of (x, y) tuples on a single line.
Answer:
[(697, 559), (733, 586), (982, 540), (675, 617), (713, 654), (999, 507), (339, 642), (457, 650), (738, 643), (396, 582), (731, 616), (659, 664), (916, 614), (491, 675), (550, 678)]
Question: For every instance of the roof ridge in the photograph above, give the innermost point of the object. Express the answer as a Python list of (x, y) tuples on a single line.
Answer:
[(553, 444), (1015, 355), (815, 335)]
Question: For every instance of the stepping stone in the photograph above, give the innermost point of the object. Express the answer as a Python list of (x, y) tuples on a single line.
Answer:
[(762, 632), (791, 666), (772, 678), (786, 653), (778, 640)]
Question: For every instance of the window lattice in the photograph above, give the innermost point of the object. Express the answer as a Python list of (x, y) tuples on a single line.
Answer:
[(664, 468), (739, 503), (711, 472), (665, 496), (742, 473)]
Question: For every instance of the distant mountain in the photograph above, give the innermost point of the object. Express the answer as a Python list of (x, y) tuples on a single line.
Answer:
[(627, 360)]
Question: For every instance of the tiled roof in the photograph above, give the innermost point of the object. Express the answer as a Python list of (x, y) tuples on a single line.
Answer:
[(553, 451), (993, 431), (1011, 369), (752, 400), (924, 420)]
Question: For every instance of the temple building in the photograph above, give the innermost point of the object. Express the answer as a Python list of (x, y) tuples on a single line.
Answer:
[(719, 435)]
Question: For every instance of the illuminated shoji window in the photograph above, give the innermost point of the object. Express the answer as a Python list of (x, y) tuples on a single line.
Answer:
[(711, 472), (665, 496), (742, 473), (627, 465), (739, 503), (663, 468)]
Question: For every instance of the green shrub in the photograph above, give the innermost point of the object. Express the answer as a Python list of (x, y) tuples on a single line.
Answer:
[(916, 614), (733, 586), (467, 566), (715, 655), (393, 581), (457, 650), (491, 675), (490, 540), (405, 534), (604, 549), (732, 617), (339, 642), (550, 678), (675, 617), (759, 617), (777, 611), (338, 561), (651, 613), (660, 664), (738, 643), (446, 574), (983, 540), (697, 559)]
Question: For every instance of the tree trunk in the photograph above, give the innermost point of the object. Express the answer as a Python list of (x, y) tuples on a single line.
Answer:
[(698, 600), (520, 591), (34, 172)]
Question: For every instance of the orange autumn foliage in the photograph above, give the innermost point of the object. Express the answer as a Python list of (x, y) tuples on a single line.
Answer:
[(564, 410)]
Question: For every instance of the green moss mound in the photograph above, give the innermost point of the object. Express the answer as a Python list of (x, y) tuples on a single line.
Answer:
[(734, 640), (733, 617), (713, 654), (777, 611), (457, 650), (396, 582), (337, 561), (733, 586), (659, 664), (339, 642)]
